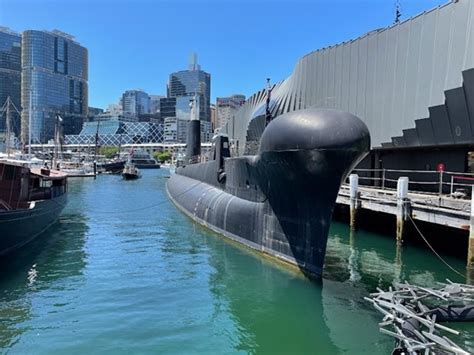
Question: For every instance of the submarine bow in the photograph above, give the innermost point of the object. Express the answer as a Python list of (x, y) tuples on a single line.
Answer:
[(279, 201)]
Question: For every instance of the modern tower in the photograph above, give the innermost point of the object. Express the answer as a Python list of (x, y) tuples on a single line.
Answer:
[(10, 75), (54, 82), (193, 81)]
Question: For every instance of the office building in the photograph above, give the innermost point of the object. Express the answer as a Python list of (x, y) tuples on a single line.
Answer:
[(193, 81), (54, 77), (213, 116), (10, 76), (115, 109), (226, 107), (155, 103), (135, 103), (168, 107)]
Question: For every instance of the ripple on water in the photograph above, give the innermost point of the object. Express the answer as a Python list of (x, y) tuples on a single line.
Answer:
[(151, 281)]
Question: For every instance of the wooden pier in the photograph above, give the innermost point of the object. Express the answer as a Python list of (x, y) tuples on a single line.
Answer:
[(451, 209)]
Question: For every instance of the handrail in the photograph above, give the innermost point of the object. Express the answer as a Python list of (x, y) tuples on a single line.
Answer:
[(414, 171), (457, 179)]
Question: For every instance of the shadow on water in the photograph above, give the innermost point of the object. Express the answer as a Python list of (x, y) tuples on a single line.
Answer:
[(51, 258), (367, 260), (278, 310)]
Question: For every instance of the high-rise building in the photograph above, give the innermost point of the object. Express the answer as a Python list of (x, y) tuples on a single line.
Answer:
[(10, 76), (168, 107), (54, 77), (115, 109), (155, 103), (93, 112), (213, 116), (135, 103), (193, 81), (226, 107)]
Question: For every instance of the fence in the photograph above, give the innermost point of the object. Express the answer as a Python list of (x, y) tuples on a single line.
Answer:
[(439, 182)]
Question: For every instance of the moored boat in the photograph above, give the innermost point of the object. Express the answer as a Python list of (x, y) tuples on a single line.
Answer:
[(112, 167), (130, 171), (31, 200), (143, 160)]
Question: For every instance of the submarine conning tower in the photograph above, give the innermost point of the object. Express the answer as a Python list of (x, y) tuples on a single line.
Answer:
[(279, 201), (193, 139)]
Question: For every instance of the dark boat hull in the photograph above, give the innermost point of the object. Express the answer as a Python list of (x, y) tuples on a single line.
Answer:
[(19, 227), (114, 167), (279, 202), (148, 166), (127, 176)]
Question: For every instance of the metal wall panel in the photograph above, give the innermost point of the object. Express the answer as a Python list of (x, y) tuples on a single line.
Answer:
[(440, 57), (424, 128), (441, 125), (389, 77), (458, 116), (468, 76), (411, 137), (408, 113)]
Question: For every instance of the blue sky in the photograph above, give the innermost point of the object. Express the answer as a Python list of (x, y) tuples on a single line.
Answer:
[(138, 43)]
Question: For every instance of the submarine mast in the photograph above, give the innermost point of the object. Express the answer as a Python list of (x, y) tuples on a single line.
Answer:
[(268, 114)]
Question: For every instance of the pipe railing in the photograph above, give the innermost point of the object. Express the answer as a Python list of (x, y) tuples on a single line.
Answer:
[(456, 179)]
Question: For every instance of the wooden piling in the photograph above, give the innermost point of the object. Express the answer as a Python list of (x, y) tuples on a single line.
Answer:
[(353, 204), (402, 207)]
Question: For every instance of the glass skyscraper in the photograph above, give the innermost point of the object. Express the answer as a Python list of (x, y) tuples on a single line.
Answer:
[(135, 103), (54, 75), (193, 81), (10, 76)]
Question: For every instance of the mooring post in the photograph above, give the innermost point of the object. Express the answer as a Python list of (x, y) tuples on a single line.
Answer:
[(470, 246), (402, 207), (354, 187)]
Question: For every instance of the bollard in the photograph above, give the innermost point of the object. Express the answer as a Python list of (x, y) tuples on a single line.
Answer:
[(402, 207), (354, 187), (470, 246)]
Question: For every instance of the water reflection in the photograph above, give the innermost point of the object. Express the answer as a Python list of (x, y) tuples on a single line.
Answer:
[(280, 311), (154, 282), (48, 262)]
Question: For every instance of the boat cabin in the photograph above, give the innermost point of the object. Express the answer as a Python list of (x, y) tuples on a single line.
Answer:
[(20, 185)]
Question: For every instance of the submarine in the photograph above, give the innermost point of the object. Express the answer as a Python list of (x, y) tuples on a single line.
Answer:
[(276, 192)]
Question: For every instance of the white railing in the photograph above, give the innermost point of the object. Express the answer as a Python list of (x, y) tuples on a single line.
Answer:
[(437, 179)]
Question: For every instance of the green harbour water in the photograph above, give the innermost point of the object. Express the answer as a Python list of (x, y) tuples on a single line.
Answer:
[(115, 276)]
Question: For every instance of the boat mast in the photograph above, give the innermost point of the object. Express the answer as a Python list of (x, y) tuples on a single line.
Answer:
[(96, 146), (30, 107), (8, 124), (57, 141)]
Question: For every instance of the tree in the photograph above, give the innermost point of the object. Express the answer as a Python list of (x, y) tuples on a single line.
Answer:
[(108, 151), (162, 156)]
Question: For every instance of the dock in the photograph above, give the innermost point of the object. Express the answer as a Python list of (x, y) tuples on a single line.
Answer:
[(451, 205)]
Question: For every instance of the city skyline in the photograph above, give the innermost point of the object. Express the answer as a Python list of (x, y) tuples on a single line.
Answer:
[(238, 49)]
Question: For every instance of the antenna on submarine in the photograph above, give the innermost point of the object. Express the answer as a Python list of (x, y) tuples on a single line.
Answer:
[(398, 11), (268, 114)]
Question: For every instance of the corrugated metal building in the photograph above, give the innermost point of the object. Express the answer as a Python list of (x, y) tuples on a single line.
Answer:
[(412, 83)]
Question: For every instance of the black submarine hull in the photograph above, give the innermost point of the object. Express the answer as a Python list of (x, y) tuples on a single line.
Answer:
[(280, 201)]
